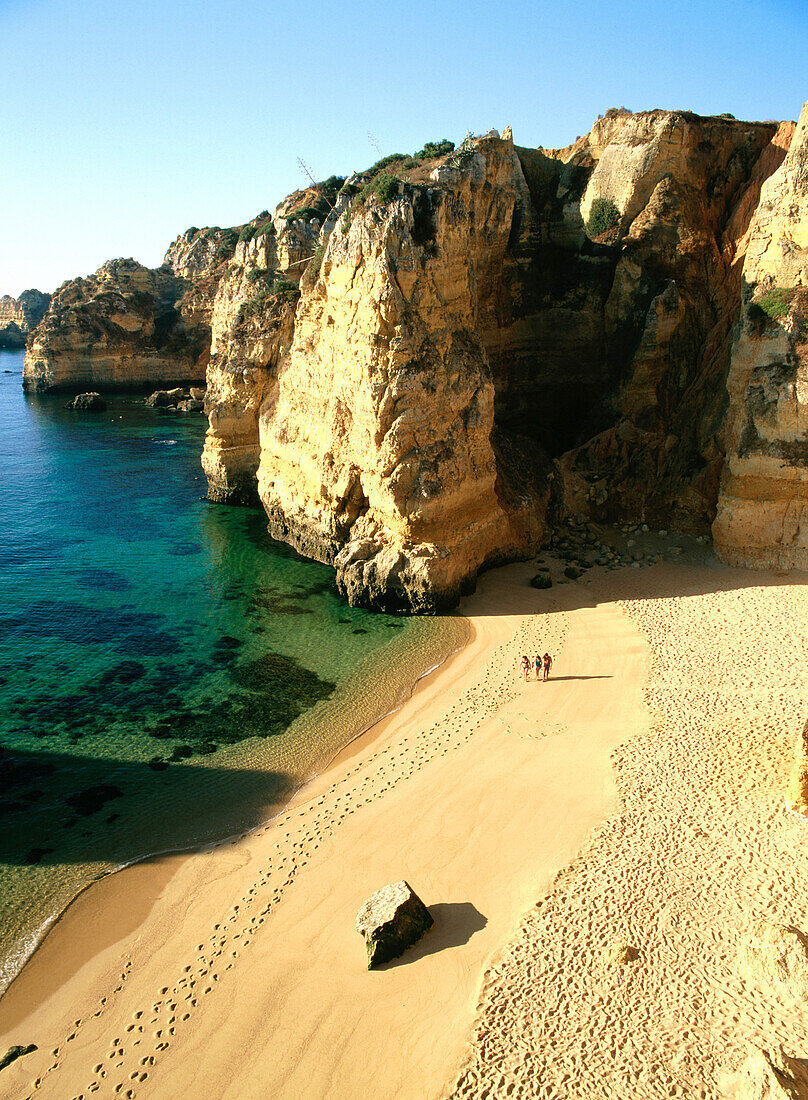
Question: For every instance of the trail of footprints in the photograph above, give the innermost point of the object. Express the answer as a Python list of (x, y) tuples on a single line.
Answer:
[(135, 1050)]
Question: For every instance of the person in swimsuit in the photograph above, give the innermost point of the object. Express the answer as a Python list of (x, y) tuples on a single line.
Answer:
[(525, 666), (547, 661), (537, 665)]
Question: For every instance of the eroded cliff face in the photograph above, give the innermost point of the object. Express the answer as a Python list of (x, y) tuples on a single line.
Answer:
[(420, 369), (684, 189), (469, 363), (762, 516), (252, 323), (19, 315), (126, 326), (376, 439)]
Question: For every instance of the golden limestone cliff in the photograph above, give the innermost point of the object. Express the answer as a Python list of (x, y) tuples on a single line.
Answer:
[(129, 326), (420, 369), (19, 315), (762, 515), (469, 361), (252, 322), (376, 438)]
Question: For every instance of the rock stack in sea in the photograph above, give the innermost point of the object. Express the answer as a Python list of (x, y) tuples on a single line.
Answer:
[(18, 316)]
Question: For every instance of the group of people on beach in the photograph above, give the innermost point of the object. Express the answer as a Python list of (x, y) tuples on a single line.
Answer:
[(541, 664)]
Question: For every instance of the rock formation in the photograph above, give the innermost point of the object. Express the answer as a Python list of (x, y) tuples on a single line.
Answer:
[(426, 368), (776, 959), (122, 328), (19, 315), (468, 360), (769, 1075), (390, 921), (87, 402), (762, 515), (797, 793)]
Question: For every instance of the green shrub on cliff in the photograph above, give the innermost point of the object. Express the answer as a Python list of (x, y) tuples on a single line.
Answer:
[(603, 216), (777, 302), (382, 187), (435, 149), (280, 290), (285, 290), (384, 163), (227, 244)]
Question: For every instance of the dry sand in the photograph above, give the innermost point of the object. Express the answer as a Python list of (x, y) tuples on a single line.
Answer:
[(235, 972)]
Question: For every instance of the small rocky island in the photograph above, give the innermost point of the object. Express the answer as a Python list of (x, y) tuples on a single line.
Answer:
[(18, 316), (425, 368)]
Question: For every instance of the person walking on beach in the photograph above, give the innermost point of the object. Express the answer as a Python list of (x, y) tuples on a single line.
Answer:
[(537, 665), (525, 666), (547, 661)]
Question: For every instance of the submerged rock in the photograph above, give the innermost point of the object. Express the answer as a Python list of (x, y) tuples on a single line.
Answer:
[(158, 400), (87, 402), (541, 580), (391, 920)]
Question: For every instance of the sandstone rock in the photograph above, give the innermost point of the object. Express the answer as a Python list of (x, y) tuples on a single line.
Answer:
[(87, 402), (621, 954), (762, 514), (124, 327), (158, 400), (197, 394), (776, 958), (797, 792), (391, 920), (18, 316), (769, 1075), (197, 253)]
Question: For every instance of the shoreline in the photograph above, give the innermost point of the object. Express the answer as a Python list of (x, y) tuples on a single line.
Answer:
[(596, 851), (105, 895), (461, 746)]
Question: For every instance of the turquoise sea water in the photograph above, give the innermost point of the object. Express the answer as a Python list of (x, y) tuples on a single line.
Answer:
[(168, 674)]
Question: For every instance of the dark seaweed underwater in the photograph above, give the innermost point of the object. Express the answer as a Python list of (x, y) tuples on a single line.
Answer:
[(168, 673)]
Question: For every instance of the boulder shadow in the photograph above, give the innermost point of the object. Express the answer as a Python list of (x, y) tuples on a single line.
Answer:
[(455, 924)]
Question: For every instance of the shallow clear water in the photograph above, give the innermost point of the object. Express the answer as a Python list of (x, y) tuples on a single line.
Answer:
[(168, 673)]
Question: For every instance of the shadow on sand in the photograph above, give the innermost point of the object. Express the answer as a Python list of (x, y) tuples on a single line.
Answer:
[(455, 924)]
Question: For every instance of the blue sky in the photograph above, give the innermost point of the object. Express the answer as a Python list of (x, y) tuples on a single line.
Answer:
[(125, 122)]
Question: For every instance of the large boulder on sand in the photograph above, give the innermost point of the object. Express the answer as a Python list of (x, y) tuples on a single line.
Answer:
[(87, 402), (391, 920)]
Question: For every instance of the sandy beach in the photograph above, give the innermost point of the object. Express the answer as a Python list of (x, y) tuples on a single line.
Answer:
[(594, 849)]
